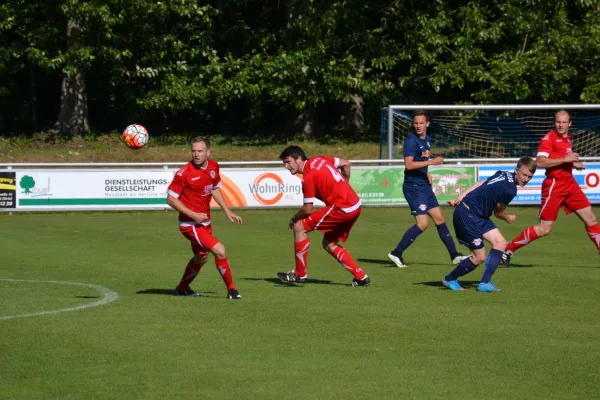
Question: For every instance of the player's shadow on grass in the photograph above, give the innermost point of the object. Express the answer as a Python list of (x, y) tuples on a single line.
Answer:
[(377, 261), (309, 281), (438, 284), (169, 292)]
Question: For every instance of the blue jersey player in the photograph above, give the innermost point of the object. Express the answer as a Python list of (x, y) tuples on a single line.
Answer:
[(419, 193), (473, 225)]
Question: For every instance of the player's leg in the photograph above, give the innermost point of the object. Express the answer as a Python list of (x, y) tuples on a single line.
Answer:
[(495, 238), (469, 235), (554, 194), (194, 265), (417, 201), (579, 203), (331, 245), (222, 264), (302, 245), (444, 233)]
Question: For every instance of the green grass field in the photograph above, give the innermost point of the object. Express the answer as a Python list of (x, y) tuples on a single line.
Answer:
[(403, 337)]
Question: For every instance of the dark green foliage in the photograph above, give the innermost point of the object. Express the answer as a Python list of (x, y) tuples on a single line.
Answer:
[(317, 69)]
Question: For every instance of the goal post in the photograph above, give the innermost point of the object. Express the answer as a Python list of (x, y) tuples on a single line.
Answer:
[(489, 131)]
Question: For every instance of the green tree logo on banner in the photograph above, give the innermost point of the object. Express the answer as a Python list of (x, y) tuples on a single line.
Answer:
[(27, 183)]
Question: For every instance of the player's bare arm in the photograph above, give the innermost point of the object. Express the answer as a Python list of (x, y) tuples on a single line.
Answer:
[(499, 213), (454, 202), (411, 164), (231, 216), (344, 167), (429, 178), (579, 166), (179, 206), (302, 213), (547, 162)]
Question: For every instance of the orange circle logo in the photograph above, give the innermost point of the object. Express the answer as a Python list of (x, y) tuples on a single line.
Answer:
[(257, 188)]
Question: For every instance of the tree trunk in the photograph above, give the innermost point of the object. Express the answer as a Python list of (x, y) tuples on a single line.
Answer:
[(305, 123), (354, 117), (73, 115), (33, 98)]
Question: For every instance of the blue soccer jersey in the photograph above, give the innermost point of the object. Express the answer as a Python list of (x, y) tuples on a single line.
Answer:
[(499, 188), (419, 149)]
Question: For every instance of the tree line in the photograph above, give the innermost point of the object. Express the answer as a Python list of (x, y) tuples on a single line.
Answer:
[(282, 68)]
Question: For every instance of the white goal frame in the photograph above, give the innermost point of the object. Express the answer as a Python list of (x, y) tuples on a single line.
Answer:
[(412, 107)]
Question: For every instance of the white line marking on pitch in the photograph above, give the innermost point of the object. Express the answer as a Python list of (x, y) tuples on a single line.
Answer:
[(109, 296)]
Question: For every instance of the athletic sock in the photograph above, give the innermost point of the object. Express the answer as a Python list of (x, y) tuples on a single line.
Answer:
[(447, 239), (225, 271), (409, 237), (527, 236), (345, 259), (301, 255), (491, 264), (461, 269), (190, 273)]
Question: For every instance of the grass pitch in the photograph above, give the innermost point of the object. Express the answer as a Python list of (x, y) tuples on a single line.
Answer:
[(403, 337)]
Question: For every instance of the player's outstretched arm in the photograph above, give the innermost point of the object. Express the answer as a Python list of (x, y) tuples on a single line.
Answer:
[(460, 198), (218, 196), (175, 203), (344, 167)]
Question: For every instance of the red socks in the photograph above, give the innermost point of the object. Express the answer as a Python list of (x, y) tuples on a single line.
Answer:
[(346, 261), (594, 234), (524, 238), (189, 275), (301, 256), (225, 271)]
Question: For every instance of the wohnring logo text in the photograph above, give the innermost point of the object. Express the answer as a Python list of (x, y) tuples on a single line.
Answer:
[(269, 188)]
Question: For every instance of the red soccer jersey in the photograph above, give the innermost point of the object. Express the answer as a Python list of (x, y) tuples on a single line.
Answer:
[(193, 187), (324, 182), (555, 146)]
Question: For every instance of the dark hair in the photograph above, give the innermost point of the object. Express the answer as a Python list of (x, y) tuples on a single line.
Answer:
[(419, 113), (529, 162), (199, 139), (294, 152)]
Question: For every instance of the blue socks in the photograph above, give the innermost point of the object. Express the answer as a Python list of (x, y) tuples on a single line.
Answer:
[(447, 239), (462, 269), (409, 237), (491, 264)]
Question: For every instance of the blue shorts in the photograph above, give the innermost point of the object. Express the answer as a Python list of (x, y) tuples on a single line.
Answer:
[(420, 198), (470, 228)]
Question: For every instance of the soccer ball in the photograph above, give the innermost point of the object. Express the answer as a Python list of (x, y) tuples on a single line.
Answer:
[(135, 136)]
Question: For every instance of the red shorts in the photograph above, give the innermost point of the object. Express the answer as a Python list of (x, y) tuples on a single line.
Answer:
[(201, 238), (335, 223), (557, 193)]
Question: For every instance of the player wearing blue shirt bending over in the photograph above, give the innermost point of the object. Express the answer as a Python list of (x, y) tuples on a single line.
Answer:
[(419, 193), (472, 223)]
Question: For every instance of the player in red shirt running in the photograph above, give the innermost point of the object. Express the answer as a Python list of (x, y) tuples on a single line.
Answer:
[(322, 180), (559, 188), (190, 192)]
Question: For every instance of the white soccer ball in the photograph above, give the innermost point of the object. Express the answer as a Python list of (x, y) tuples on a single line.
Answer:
[(135, 136)]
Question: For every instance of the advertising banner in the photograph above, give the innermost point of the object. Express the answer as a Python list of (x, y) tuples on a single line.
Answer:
[(588, 180), (8, 189), (383, 186), (122, 189)]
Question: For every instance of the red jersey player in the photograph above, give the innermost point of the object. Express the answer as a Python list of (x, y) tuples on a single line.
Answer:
[(190, 193), (323, 180), (559, 189)]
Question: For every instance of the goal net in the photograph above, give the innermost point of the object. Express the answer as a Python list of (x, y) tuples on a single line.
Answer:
[(498, 131)]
